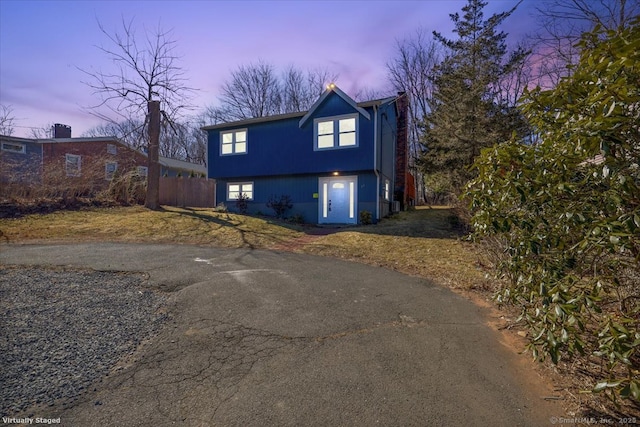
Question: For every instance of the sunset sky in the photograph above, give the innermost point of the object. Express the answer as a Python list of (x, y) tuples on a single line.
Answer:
[(43, 43)]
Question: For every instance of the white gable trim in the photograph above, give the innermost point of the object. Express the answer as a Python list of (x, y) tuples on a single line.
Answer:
[(325, 94)]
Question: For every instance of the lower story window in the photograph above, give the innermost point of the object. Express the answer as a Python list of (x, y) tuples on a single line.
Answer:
[(235, 189), (110, 169), (73, 164)]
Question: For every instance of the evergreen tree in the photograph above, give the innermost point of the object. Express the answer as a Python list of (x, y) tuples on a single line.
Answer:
[(467, 111)]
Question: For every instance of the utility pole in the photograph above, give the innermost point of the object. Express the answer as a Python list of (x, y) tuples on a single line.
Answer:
[(153, 172)]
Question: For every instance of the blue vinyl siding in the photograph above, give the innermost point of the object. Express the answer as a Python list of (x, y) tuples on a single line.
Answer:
[(281, 159), (281, 147), (301, 189)]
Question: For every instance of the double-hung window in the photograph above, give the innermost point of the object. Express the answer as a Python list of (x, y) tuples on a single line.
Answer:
[(73, 164), (235, 189), (110, 169), (233, 142), (336, 132)]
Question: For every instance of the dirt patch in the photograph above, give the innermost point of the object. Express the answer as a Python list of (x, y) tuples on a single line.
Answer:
[(311, 234)]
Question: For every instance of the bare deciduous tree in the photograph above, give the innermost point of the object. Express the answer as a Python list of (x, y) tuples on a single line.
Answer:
[(256, 90), (562, 22), (7, 120), (41, 132), (131, 132), (409, 71), (146, 73), (301, 89), (253, 91)]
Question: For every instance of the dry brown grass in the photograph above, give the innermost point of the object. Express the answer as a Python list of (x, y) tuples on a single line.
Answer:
[(423, 242), (138, 224)]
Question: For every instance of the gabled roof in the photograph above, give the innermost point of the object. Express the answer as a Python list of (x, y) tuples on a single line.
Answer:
[(253, 120), (332, 88), (360, 107)]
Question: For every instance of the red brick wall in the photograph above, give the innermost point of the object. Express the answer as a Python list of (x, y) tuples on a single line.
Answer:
[(404, 190), (94, 156)]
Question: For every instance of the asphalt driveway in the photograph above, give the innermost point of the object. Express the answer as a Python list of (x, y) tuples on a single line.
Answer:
[(261, 338)]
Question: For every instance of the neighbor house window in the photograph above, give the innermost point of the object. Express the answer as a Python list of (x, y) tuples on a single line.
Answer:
[(73, 164), (336, 132), (112, 149), (14, 147), (143, 171), (386, 189), (110, 169), (233, 142), (235, 189)]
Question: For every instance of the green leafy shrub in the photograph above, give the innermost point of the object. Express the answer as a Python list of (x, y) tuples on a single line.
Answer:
[(566, 213)]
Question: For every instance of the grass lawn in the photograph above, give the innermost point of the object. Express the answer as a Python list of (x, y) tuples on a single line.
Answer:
[(422, 242)]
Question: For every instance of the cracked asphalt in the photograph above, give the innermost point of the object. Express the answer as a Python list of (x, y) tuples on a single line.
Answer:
[(265, 338)]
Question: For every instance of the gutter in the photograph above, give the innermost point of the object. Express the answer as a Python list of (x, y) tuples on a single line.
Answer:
[(375, 160)]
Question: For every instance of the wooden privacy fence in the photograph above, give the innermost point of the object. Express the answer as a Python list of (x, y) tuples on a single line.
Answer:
[(191, 192)]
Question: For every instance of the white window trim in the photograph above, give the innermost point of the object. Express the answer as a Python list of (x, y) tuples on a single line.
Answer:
[(23, 147), (109, 175), (336, 132), (240, 184), (68, 158), (234, 142)]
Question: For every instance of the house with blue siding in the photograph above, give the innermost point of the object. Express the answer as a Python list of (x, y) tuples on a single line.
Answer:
[(334, 162)]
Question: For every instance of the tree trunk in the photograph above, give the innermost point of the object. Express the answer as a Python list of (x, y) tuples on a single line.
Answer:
[(153, 171)]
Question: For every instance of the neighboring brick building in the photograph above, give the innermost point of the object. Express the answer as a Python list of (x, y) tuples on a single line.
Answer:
[(85, 163)]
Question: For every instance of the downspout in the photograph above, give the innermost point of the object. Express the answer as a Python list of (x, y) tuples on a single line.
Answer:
[(375, 160)]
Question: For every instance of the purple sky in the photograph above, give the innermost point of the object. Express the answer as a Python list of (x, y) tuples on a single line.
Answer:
[(43, 42)]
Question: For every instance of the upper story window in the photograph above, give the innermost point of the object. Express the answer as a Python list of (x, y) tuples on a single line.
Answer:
[(14, 147), (233, 142), (142, 171), (112, 149), (336, 132), (73, 164)]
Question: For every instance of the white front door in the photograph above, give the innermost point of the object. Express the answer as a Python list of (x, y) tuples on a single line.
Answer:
[(338, 200)]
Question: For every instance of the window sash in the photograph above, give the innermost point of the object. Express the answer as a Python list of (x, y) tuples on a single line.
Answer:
[(14, 147), (73, 164), (336, 132), (110, 169), (235, 189), (233, 142)]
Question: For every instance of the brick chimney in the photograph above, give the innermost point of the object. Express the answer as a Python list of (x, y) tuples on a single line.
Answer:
[(403, 187), (61, 131)]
